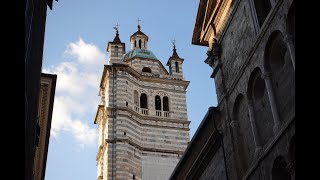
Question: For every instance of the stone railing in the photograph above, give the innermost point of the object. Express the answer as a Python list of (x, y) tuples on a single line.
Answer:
[(151, 112)]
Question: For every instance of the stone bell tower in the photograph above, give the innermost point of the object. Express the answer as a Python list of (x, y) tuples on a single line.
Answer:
[(142, 117)]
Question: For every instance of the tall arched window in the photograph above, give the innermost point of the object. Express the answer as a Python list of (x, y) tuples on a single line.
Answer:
[(177, 66), (263, 8), (143, 101), (244, 137), (139, 43), (257, 93), (165, 103), (157, 101), (277, 61), (136, 98), (135, 43), (279, 169), (116, 49)]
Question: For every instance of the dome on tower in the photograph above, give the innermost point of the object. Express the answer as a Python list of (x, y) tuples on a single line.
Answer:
[(142, 53)]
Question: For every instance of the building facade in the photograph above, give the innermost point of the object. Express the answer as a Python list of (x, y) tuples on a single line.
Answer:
[(35, 23), (251, 49), (142, 117), (45, 108)]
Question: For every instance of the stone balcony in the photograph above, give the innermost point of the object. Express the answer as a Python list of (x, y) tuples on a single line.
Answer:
[(151, 112)]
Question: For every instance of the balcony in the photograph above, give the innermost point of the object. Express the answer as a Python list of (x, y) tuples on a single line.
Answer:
[(151, 112)]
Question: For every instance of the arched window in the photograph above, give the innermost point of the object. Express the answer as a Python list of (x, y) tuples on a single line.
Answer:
[(165, 103), (279, 169), (136, 98), (263, 8), (157, 101), (116, 51), (143, 101), (244, 137), (257, 93), (177, 66), (277, 62), (139, 43), (146, 69), (135, 43)]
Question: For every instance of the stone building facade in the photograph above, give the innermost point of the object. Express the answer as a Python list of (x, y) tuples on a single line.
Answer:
[(251, 49), (142, 117)]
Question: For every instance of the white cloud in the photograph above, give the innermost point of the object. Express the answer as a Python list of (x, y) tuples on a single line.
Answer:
[(85, 53), (77, 88)]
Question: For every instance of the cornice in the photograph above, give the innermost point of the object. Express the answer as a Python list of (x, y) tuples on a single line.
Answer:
[(141, 148)]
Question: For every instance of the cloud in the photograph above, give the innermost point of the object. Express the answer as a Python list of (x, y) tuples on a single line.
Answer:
[(85, 53), (77, 88)]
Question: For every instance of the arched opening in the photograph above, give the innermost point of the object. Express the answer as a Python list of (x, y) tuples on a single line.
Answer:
[(116, 49), (139, 43), (257, 93), (279, 64), (165, 103), (136, 98), (243, 134), (263, 8), (135, 43), (146, 69), (258, 88), (279, 169), (177, 66), (157, 101), (143, 101)]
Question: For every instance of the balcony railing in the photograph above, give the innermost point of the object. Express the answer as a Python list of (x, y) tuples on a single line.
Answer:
[(151, 112)]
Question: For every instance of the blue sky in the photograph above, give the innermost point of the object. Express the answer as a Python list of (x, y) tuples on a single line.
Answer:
[(76, 37)]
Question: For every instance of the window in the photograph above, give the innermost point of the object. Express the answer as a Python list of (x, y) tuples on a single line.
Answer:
[(177, 67), (157, 101), (127, 104), (136, 98), (165, 103), (263, 8), (139, 43), (143, 101), (116, 49), (135, 43), (146, 69)]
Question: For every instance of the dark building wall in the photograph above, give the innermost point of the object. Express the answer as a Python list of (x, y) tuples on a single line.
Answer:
[(215, 169), (35, 19), (255, 83), (245, 58)]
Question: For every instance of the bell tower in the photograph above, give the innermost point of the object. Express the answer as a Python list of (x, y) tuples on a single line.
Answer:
[(116, 49), (175, 64)]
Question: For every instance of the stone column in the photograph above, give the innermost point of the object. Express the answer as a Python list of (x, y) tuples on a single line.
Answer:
[(272, 100), (254, 129), (290, 45)]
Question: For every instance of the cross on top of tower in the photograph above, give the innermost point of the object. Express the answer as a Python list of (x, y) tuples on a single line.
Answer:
[(116, 27), (138, 24), (174, 43)]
